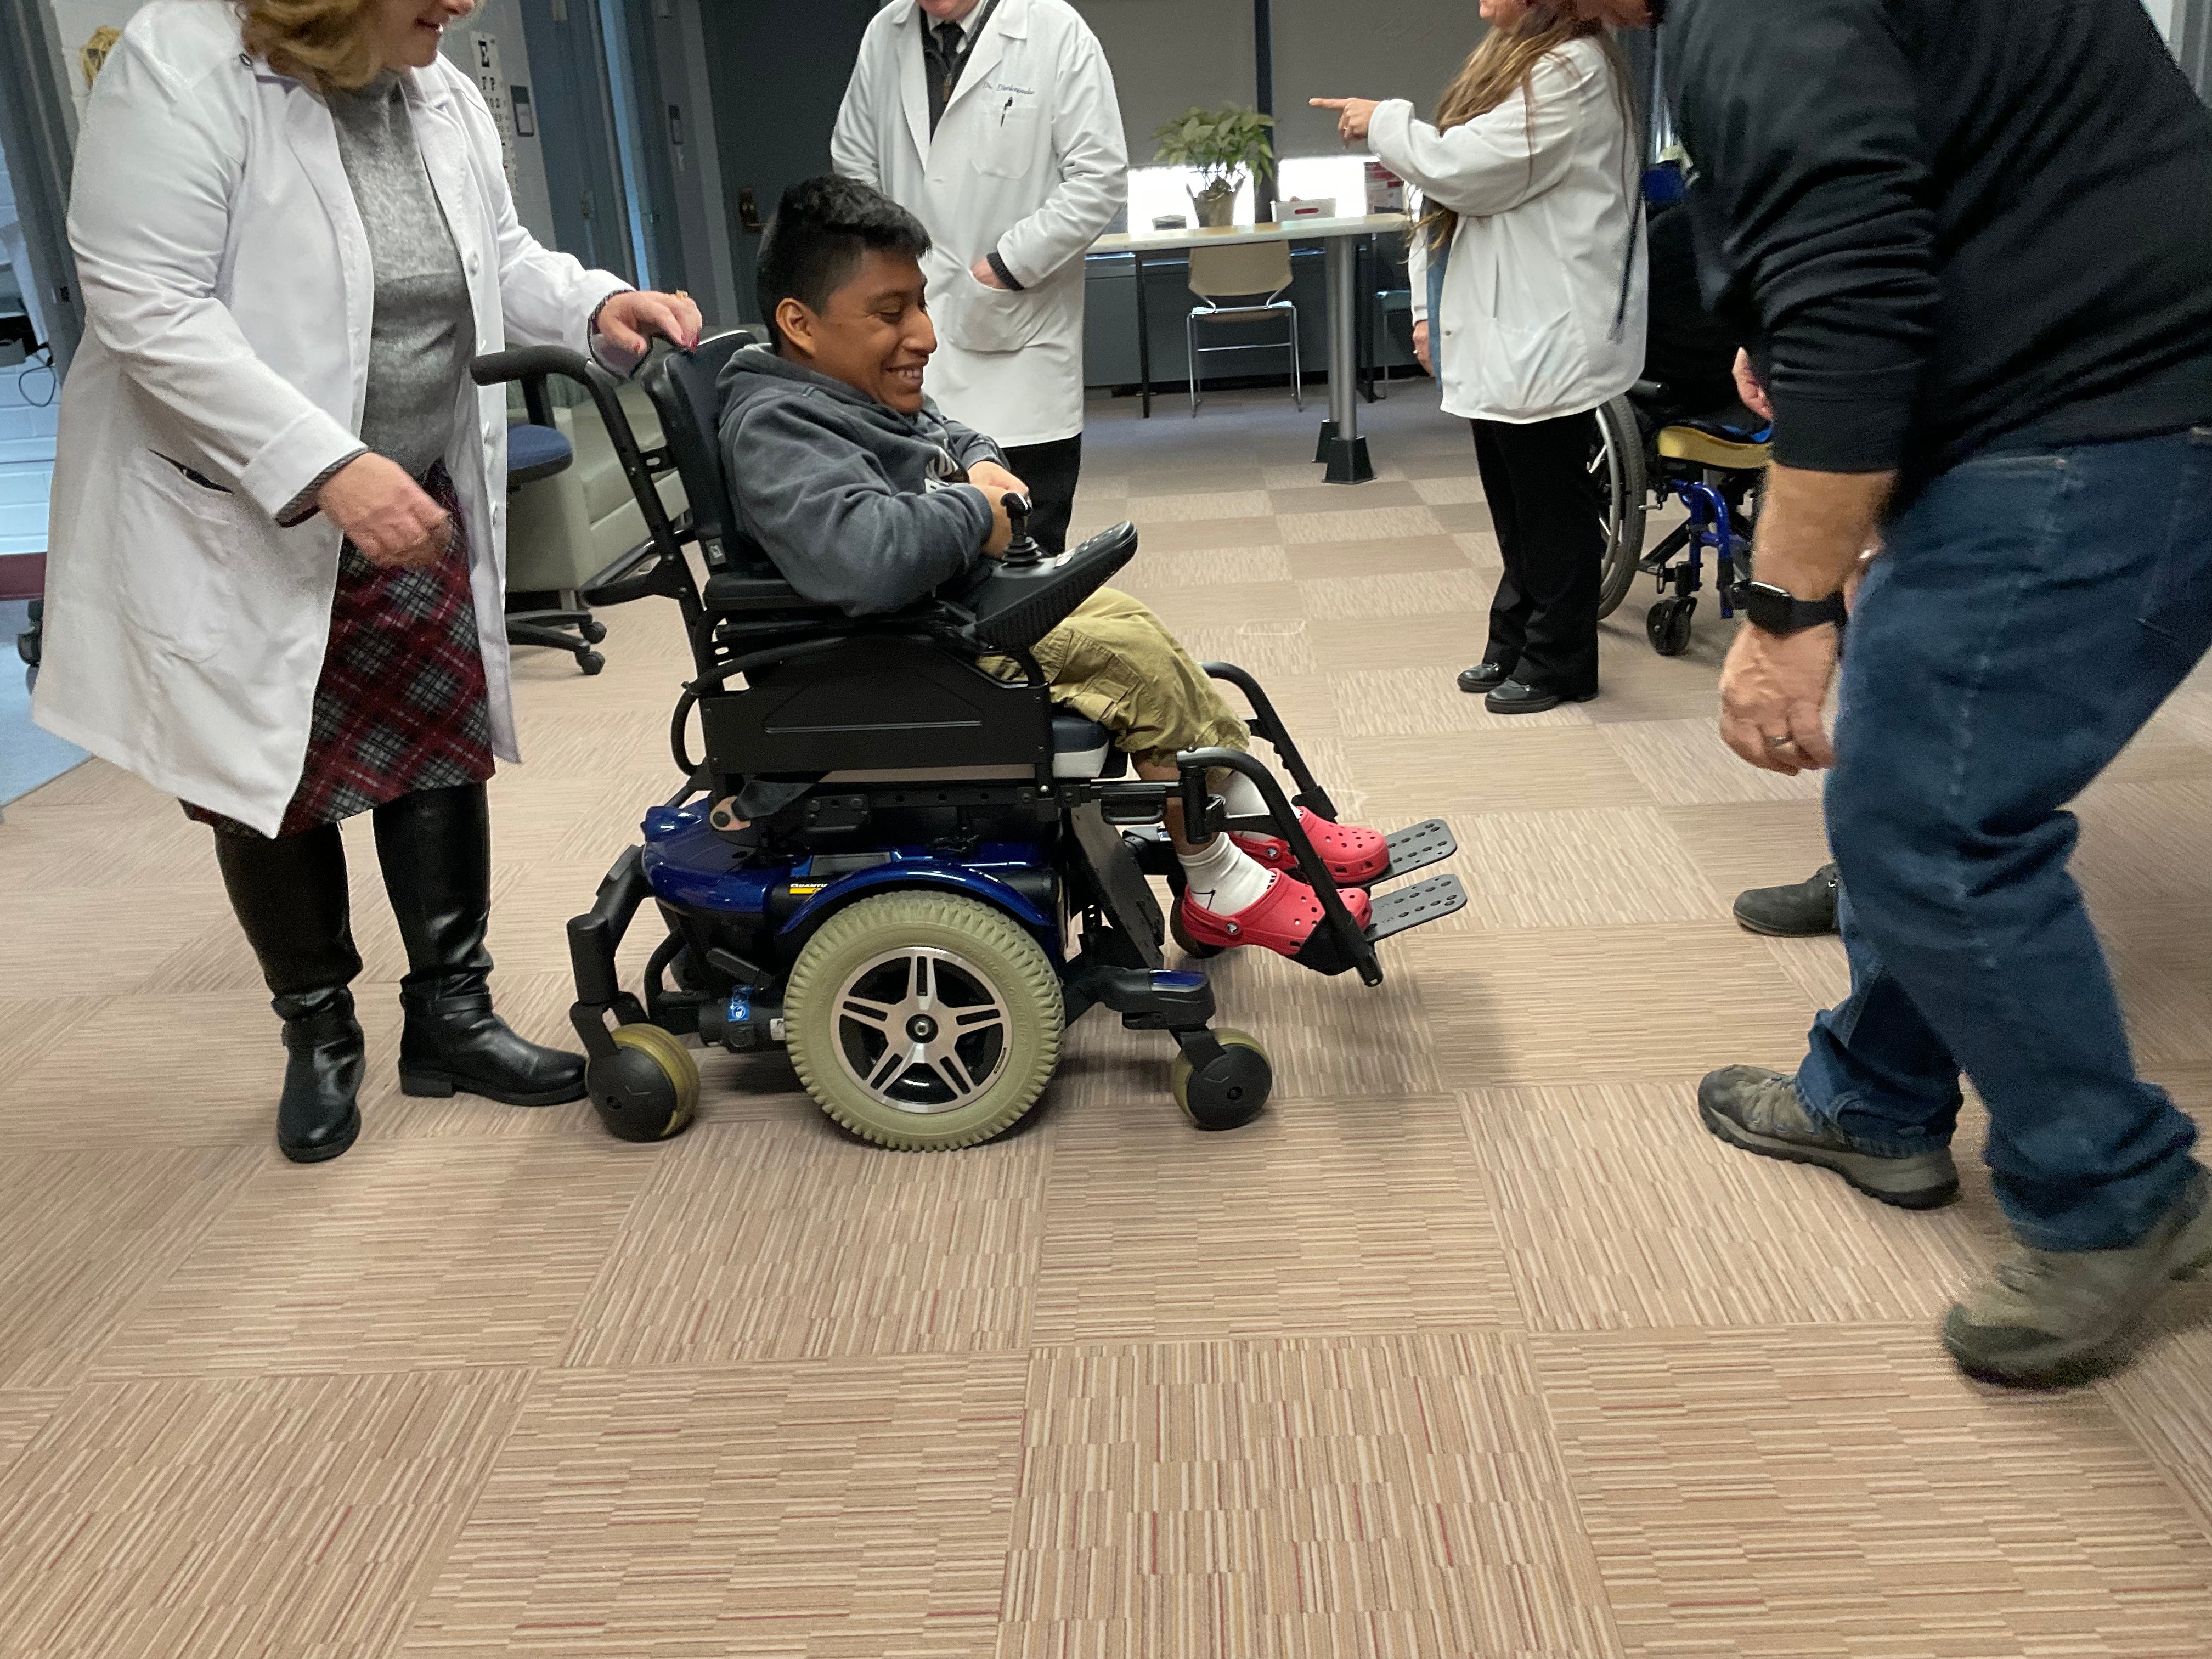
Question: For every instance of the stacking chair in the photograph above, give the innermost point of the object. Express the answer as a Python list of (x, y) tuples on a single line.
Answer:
[(1243, 273)]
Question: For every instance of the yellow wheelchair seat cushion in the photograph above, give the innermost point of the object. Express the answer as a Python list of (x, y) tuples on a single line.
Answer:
[(1702, 448)]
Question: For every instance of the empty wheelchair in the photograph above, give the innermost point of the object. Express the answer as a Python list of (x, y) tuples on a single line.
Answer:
[(1652, 452), (910, 872)]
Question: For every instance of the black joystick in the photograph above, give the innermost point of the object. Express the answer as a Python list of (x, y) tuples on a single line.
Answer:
[(1023, 553)]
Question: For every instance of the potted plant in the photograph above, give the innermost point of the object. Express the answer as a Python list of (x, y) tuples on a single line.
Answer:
[(1226, 146)]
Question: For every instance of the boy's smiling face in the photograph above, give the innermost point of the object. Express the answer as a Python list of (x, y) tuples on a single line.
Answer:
[(874, 332)]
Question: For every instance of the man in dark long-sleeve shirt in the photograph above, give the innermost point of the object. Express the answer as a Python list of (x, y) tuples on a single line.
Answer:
[(1971, 243)]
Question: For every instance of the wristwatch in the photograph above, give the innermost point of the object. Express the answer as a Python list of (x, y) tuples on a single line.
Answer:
[(1779, 611)]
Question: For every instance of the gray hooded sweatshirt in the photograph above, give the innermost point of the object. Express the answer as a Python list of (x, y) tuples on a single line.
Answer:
[(856, 505)]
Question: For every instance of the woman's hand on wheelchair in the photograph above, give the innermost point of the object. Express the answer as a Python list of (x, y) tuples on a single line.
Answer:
[(1751, 388), (385, 514), (630, 320), (1421, 346)]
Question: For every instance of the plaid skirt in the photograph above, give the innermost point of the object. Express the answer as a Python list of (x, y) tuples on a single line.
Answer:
[(401, 706)]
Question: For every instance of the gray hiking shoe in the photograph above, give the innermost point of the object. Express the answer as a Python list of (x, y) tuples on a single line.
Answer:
[(1761, 1112), (2053, 1319), (1805, 909)]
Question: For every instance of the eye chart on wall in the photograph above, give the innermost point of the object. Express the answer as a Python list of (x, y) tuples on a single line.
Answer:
[(485, 60)]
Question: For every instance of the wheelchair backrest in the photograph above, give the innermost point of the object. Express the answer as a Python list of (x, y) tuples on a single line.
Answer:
[(683, 387)]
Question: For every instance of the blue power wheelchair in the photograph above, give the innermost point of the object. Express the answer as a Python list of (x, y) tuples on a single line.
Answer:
[(908, 871)]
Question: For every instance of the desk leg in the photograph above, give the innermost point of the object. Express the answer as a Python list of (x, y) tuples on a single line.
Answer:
[(1144, 335), (1341, 446)]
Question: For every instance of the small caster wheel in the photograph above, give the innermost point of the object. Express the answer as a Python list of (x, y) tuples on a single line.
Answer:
[(1669, 625), (591, 662), (594, 630), (648, 1088), (1231, 1092)]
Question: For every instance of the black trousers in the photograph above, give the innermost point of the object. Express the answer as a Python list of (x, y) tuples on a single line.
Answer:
[(1051, 472), (1545, 504)]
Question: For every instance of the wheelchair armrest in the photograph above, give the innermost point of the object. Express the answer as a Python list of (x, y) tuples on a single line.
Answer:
[(1015, 609), (529, 362)]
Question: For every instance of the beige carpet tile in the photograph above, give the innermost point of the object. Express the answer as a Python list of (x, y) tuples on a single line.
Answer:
[(262, 1518), (1102, 486), (1208, 567), (1306, 703), (1412, 555), (24, 1413), (1148, 510), (2143, 845), (1186, 609), (1358, 524), (1268, 646), (2159, 756), (1449, 461), (1155, 1231), (1307, 474), (1603, 1006), (1390, 702), (794, 1241), (89, 1237), (802, 1511), (1196, 479), (398, 1256), (1751, 843), (1319, 497), (32, 1027), (1637, 684), (1523, 770), (1417, 593), (1161, 540), (1843, 1491), (177, 1068), (1684, 764), (2165, 980), (1446, 643), (1818, 967), (1456, 490), (53, 844), (96, 783), (1479, 549), (1462, 517), (2165, 1400), (48, 931), (1619, 1211), (1596, 868), (1359, 1499)]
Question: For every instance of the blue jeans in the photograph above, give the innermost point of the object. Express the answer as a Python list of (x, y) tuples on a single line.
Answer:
[(2030, 613)]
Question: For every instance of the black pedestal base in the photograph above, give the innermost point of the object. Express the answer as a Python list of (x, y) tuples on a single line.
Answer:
[(1347, 460)]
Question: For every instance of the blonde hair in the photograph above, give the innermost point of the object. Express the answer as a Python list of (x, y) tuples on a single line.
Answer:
[(1503, 62), (329, 44)]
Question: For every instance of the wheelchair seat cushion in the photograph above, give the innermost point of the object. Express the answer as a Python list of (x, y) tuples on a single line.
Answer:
[(1083, 749), (535, 453), (739, 593)]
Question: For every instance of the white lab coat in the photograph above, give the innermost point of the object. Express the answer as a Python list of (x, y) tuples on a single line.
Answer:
[(1533, 326), (229, 297), (1029, 160)]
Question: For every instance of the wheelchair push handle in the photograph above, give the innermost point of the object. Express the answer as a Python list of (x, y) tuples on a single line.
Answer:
[(528, 363)]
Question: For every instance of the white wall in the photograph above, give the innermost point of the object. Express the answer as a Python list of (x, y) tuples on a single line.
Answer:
[(502, 21), (2162, 13)]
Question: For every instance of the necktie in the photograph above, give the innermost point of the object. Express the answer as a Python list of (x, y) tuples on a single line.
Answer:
[(949, 62)]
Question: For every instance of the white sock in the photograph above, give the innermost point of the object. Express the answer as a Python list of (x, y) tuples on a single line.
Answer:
[(1243, 798), (1224, 878)]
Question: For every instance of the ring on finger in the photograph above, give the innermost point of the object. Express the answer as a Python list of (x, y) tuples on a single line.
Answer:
[(1781, 743)]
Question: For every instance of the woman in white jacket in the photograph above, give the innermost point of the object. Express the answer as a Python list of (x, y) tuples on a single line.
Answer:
[(1529, 300), (275, 583)]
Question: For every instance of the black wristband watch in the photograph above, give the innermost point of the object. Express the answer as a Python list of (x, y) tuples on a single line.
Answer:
[(1779, 611)]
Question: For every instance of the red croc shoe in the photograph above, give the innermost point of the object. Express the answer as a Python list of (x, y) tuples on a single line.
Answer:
[(1353, 855), (1287, 918)]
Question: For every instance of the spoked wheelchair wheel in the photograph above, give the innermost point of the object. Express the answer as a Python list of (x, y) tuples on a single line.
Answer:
[(923, 1021), (1668, 626), (1231, 1092), (1623, 484), (648, 1088)]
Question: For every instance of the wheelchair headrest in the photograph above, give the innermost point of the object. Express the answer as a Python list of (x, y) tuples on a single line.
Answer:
[(683, 387)]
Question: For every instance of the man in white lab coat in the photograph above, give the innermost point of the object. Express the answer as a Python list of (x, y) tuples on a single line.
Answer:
[(995, 123)]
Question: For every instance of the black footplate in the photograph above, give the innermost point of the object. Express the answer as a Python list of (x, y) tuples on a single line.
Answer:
[(1417, 846), (1417, 906)]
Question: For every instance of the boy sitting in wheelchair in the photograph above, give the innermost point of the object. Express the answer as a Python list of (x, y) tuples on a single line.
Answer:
[(865, 495)]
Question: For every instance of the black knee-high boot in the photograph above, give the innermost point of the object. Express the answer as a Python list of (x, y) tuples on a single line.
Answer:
[(291, 896), (436, 849)]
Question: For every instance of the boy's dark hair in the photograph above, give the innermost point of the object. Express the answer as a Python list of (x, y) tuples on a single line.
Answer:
[(822, 228)]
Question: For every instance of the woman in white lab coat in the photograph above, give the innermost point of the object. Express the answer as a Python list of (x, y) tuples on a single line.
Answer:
[(1529, 293), (995, 123), (275, 580)]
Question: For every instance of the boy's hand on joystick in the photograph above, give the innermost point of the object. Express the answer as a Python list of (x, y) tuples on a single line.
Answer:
[(1003, 528)]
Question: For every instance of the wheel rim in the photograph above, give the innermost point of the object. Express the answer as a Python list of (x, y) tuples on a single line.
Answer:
[(921, 1029), (1606, 468)]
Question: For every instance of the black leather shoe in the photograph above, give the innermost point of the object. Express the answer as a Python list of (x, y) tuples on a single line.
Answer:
[(435, 849), (1805, 910), (291, 898), (320, 1115), (1480, 678), (1512, 697)]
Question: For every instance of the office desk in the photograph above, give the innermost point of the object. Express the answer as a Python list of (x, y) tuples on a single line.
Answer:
[(1341, 446)]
